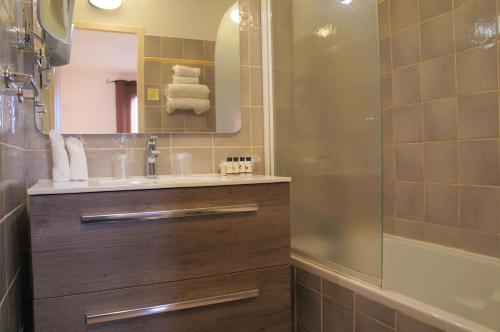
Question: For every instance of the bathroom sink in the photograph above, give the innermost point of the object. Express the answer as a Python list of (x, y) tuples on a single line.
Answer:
[(142, 180)]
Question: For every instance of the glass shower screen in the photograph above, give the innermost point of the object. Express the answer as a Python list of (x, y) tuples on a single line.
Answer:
[(326, 84)]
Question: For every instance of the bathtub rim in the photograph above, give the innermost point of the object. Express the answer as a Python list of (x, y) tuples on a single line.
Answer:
[(416, 309)]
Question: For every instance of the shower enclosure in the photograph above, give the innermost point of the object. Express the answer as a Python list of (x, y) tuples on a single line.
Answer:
[(327, 133)]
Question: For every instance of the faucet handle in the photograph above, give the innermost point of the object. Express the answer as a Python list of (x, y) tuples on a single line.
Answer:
[(152, 142)]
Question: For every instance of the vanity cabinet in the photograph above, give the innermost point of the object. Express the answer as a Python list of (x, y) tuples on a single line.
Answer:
[(174, 259)]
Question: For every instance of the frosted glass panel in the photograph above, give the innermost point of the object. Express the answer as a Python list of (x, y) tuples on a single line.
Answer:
[(328, 129)]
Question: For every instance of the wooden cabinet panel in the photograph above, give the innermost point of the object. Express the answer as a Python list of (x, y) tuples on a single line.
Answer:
[(69, 257), (269, 311)]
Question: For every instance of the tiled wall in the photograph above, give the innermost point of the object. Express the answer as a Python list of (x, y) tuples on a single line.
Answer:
[(158, 74), (440, 86), (207, 149), (320, 305), (13, 151)]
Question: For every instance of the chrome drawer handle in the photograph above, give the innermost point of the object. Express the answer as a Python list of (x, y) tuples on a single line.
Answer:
[(168, 214), (170, 307)]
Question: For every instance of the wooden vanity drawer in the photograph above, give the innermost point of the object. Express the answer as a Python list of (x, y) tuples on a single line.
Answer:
[(71, 257), (267, 311)]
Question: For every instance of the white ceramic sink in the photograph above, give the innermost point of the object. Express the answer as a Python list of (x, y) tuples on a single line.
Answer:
[(160, 179)]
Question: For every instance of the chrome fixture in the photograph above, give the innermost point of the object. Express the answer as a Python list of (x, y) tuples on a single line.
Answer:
[(153, 155), (15, 80)]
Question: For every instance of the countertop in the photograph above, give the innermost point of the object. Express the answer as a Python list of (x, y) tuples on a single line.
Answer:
[(49, 187)]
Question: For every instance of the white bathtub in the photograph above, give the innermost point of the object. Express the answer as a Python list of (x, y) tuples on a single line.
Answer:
[(450, 289)]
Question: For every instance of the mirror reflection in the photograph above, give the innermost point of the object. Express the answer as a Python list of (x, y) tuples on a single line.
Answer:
[(149, 67)]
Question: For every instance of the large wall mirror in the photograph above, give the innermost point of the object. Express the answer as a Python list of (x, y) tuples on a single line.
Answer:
[(149, 66)]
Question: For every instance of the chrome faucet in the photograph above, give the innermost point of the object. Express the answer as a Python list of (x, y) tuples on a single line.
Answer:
[(153, 155)]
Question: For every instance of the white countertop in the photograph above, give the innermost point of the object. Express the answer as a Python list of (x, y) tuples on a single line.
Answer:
[(48, 187)]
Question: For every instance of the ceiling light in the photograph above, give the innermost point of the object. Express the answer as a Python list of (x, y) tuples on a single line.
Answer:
[(106, 4), (235, 16)]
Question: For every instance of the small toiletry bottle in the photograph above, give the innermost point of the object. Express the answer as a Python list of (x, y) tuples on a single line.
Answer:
[(229, 165), (236, 167), (248, 165), (241, 165)]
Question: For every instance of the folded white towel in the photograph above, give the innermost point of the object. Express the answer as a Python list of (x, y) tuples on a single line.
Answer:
[(199, 106), (186, 80), (186, 71), (187, 91), (78, 161), (60, 162)]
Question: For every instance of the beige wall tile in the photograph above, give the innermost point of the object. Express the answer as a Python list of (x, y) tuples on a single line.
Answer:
[(410, 201), (406, 47), (480, 208), (194, 49), (255, 42), (201, 159), (257, 126), (403, 13), (152, 46), (406, 85), (430, 8), (409, 162), (153, 119), (209, 50), (104, 141), (245, 86), (244, 48), (408, 124), (191, 140), (481, 243), (171, 47), (437, 36), (440, 119), (441, 204), (438, 78), (256, 86), (385, 54), (389, 225), (475, 24), (258, 155), (477, 70), (167, 73), (440, 162), (478, 116), (136, 162), (100, 162), (479, 162), (152, 72), (173, 121)]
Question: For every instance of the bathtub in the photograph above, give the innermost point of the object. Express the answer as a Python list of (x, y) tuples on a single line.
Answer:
[(444, 287)]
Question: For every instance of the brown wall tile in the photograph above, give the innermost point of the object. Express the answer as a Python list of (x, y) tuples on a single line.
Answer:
[(478, 116), (443, 235), (479, 162), (406, 85), (441, 204), (408, 124), (480, 209), (403, 13), (385, 54), (406, 47), (437, 36), (475, 24), (409, 229), (430, 8), (481, 243), (375, 310), (409, 162), (336, 317), (438, 78), (440, 119), (477, 70), (440, 162), (308, 308), (410, 201)]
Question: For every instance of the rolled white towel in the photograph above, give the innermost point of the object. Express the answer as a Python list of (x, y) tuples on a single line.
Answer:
[(187, 91), (60, 162), (186, 80), (199, 106), (78, 161), (186, 71)]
